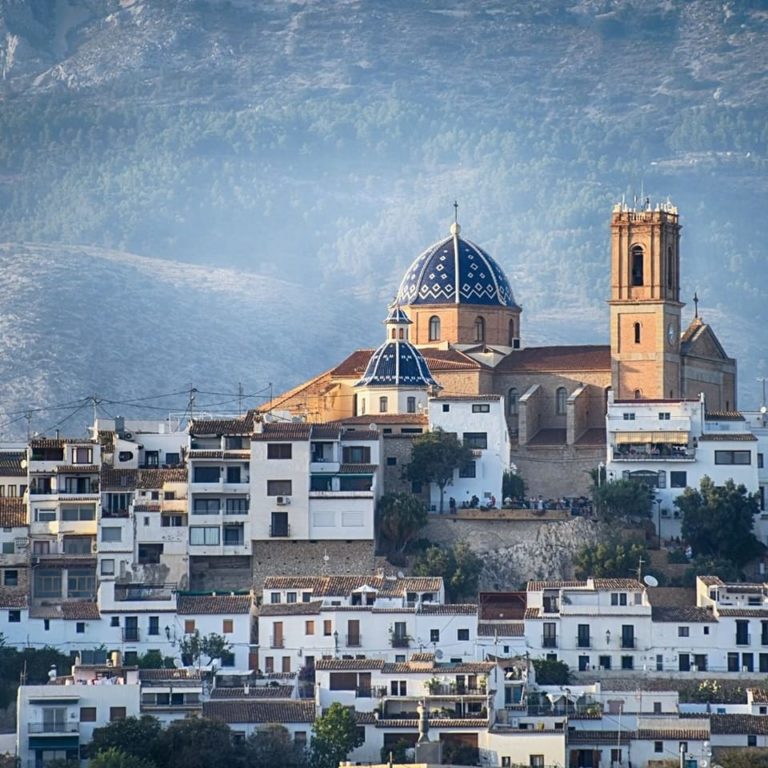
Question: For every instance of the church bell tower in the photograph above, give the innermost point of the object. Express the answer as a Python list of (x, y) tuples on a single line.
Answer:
[(645, 302)]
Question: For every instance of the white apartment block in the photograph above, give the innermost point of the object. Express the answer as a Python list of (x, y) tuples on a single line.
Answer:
[(478, 421), (672, 444)]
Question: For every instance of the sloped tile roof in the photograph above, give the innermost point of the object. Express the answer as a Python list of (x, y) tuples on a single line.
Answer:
[(246, 711), (668, 597), (386, 418), (585, 736), (50, 442), (538, 586), (118, 479), (422, 657), (286, 431), (12, 598), (747, 613), (77, 469), (333, 665), (10, 464), (82, 610), (291, 609), (170, 674), (361, 434), (213, 604), (13, 512), (759, 695), (357, 469), (673, 734), (558, 358), (711, 581), (726, 437), (448, 609), (682, 615), (724, 416), (739, 724), (502, 629), (240, 426), (156, 478), (254, 692), (325, 431)]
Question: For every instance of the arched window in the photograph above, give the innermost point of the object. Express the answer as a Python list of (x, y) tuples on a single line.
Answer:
[(479, 329), (382, 405), (637, 333), (512, 333), (638, 394), (512, 402), (402, 333), (637, 264), (392, 335), (434, 328), (670, 269), (561, 397), (362, 406)]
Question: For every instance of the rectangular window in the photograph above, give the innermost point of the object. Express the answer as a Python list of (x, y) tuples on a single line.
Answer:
[(81, 582), (47, 582), (80, 627), (206, 506), (154, 625), (172, 459), (279, 450), (664, 416), (733, 457), (172, 521), (116, 713), (327, 627), (14, 617), (111, 533), (9, 548), (206, 475), (45, 515), (678, 479), (629, 416), (391, 461), (269, 664), (227, 626), (656, 707), (760, 461), (733, 662), (683, 631), (279, 526), (150, 554), (658, 747), (398, 687), (309, 627), (204, 536), (10, 578), (286, 665), (462, 634), (434, 635), (81, 455), (356, 454), (477, 440), (189, 626), (279, 487), (582, 637), (290, 597), (627, 662), (468, 470), (87, 714), (410, 406), (81, 513), (618, 598), (481, 408), (234, 475)]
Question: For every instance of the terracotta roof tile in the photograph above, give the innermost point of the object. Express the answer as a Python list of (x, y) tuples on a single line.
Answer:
[(465, 668), (291, 609), (558, 358), (326, 431), (759, 695), (213, 604), (724, 416), (448, 609), (78, 469), (739, 724), (538, 586), (13, 512), (287, 431), (361, 434), (354, 364), (385, 419), (10, 464), (239, 426), (332, 665), (49, 442), (726, 437), (197, 453), (667, 597), (747, 613), (80, 610), (532, 613), (12, 598), (502, 629), (682, 614), (422, 657), (357, 469), (156, 478), (673, 734), (283, 712), (170, 674), (498, 606), (467, 398), (365, 718), (584, 736), (711, 581), (118, 479), (254, 692)]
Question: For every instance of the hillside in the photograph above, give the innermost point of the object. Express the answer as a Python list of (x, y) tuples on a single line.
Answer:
[(323, 143)]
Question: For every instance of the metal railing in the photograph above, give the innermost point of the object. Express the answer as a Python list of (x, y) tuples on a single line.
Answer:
[(583, 642), (277, 641), (56, 727), (400, 641), (548, 641), (279, 531), (130, 634), (629, 642), (354, 641)]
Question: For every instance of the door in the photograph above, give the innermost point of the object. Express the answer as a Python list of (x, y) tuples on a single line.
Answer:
[(131, 629), (353, 632)]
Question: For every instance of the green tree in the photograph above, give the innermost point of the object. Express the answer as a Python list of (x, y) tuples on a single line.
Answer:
[(459, 566), (609, 559), (273, 746), (335, 735), (194, 646), (399, 752), (116, 758), (622, 499), (155, 660), (139, 737), (718, 521), (435, 457), (198, 742), (551, 672), (743, 758), (400, 517), (512, 486)]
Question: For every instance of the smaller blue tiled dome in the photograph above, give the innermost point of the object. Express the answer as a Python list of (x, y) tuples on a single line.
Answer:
[(397, 363)]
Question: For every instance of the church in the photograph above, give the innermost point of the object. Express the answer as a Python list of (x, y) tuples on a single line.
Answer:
[(458, 332)]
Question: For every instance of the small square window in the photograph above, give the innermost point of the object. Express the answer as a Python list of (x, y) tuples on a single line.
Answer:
[(228, 626), (87, 714), (683, 631), (462, 634), (189, 626), (47, 624), (446, 407), (11, 578), (107, 567), (751, 740), (80, 627), (116, 713), (658, 747), (706, 630), (14, 617), (114, 621), (391, 461), (434, 635)]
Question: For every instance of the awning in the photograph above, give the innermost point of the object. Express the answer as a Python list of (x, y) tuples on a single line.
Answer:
[(675, 438), (54, 742)]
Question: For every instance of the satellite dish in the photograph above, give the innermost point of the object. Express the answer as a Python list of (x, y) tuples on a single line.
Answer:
[(438, 654), (372, 427), (650, 581), (400, 575)]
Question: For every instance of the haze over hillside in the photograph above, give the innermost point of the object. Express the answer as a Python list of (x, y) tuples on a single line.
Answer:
[(322, 144)]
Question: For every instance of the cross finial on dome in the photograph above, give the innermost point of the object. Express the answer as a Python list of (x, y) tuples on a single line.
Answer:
[(455, 228), (696, 304)]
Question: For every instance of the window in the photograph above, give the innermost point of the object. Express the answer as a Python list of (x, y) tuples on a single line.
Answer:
[(309, 627), (306, 597), (382, 405), (618, 598), (81, 582), (537, 761), (80, 627), (269, 664), (561, 398), (434, 635), (356, 454), (751, 740), (327, 627), (733, 662), (172, 459), (658, 747), (78, 513), (206, 475), (279, 450), (481, 408), (172, 521), (733, 457), (234, 475), (476, 439), (11, 578), (678, 479), (637, 265), (760, 461), (150, 554), (236, 506), (279, 487), (9, 548), (81, 455), (111, 534), (274, 598), (627, 662), (479, 329), (154, 625), (189, 626), (398, 687), (152, 458), (227, 626), (683, 631), (664, 416), (14, 617), (637, 328), (434, 328), (279, 526), (446, 407), (512, 402), (116, 713), (391, 461), (468, 470), (462, 634), (656, 707), (204, 536), (410, 405), (87, 714), (629, 416), (114, 621), (286, 665)]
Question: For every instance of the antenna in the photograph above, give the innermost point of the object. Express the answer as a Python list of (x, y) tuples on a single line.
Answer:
[(651, 581), (640, 564)]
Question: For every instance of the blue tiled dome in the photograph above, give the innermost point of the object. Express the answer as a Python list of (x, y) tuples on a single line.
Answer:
[(397, 363), (455, 271)]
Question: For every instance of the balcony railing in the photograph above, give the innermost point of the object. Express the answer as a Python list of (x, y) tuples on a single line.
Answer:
[(451, 689), (548, 642), (57, 727), (132, 592), (629, 642), (277, 641), (583, 641), (354, 641), (279, 531), (374, 692), (130, 634), (688, 454), (400, 641)]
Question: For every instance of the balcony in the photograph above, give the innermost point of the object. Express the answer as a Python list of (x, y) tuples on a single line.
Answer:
[(54, 728), (277, 641), (133, 592), (681, 454), (376, 692), (280, 531), (354, 641), (130, 634), (582, 641), (400, 641), (629, 643), (452, 689), (547, 641)]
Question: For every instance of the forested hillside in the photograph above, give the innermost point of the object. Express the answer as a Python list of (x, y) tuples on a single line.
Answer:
[(324, 144)]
